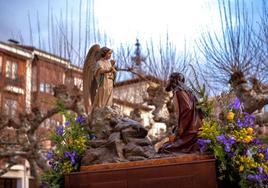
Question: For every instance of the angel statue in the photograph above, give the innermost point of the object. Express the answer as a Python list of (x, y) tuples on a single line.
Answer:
[(98, 78)]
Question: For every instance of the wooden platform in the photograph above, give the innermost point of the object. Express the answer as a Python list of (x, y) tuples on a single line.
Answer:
[(183, 171)]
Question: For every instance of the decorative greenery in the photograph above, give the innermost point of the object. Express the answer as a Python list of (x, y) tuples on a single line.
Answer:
[(69, 146), (204, 104), (241, 158)]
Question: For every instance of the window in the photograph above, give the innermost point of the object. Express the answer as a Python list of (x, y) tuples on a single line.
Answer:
[(266, 108), (47, 88), (1, 60), (12, 70), (42, 87), (10, 108), (78, 82)]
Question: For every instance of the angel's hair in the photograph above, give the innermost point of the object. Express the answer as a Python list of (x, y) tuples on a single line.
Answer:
[(104, 51)]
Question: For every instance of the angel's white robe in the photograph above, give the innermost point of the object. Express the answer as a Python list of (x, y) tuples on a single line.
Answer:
[(104, 95)]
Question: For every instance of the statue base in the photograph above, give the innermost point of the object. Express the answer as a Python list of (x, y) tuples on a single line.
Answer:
[(184, 171)]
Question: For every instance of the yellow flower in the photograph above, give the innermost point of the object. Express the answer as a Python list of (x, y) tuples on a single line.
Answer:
[(230, 116), (241, 168), (247, 139), (69, 141), (265, 168), (253, 164), (261, 155), (249, 130)]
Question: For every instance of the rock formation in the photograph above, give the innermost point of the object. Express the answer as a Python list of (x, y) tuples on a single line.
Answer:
[(118, 139)]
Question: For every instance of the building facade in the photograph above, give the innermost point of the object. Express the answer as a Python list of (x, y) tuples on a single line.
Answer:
[(27, 78)]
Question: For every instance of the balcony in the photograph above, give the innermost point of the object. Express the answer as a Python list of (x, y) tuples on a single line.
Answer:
[(17, 81), (14, 85)]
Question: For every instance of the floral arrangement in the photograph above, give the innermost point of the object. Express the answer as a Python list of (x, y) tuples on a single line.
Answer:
[(70, 145), (241, 158)]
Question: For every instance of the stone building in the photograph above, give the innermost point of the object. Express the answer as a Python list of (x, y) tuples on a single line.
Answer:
[(27, 78)]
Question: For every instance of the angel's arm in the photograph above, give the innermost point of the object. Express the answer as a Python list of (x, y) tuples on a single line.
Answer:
[(101, 70)]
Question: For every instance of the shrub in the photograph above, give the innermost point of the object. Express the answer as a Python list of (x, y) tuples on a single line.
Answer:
[(241, 158), (69, 146)]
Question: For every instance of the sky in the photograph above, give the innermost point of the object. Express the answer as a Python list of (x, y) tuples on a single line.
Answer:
[(146, 19), (121, 20)]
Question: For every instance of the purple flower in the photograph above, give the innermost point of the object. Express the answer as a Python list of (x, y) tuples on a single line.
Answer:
[(239, 123), (265, 177), (227, 142), (232, 140), (72, 155), (248, 120), (231, 154), (257, 141), (266, 156), (251, 177), (256, 178), (67, 123), (80, 119), (221, 138), (203, 143), (227, 148), (260, 169), (60, 130), (49, 154), (236, 103), (92, 136)]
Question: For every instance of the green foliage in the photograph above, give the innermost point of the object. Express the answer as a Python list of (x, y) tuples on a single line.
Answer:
[(204, 105), (69, 146), (210, 130), (52, 179)]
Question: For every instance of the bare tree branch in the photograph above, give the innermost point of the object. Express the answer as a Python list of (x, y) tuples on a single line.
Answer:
[(27, 145)]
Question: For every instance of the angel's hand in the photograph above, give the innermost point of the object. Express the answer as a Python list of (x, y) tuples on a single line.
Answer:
[(114, 70), (113, 62)]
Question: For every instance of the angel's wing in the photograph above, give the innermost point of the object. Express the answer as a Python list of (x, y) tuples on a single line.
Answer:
[(89, 82)]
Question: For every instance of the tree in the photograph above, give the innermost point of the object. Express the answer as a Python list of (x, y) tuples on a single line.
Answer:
[(156, 60), (24, 141), (263, 36), (233, 57)]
